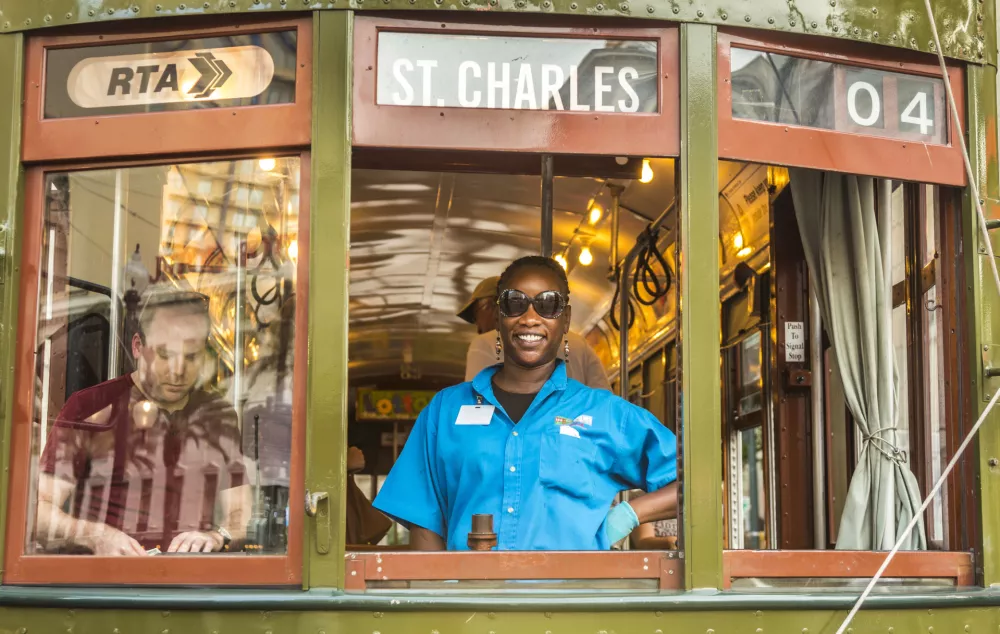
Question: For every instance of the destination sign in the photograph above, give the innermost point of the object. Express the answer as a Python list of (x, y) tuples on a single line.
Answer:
[(517, 73), (820, 94), (169, 75)]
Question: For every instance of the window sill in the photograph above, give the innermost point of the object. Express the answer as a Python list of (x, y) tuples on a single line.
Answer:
[(332, 600)]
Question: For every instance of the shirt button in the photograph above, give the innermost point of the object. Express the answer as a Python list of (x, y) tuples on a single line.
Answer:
[(510, 509), (515, 433), (512, 469)]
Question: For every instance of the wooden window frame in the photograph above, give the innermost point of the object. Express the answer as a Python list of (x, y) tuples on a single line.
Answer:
[(208, 130), (855, 153), (215, 570), (531, 131), (363, 568)]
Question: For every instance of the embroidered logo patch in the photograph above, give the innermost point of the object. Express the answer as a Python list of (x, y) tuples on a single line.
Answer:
[(583, 419), (561, 420)]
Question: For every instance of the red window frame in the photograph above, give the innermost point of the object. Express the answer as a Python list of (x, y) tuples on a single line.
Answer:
[(175, 132), (849, 152), (202, 135), (535, 131)]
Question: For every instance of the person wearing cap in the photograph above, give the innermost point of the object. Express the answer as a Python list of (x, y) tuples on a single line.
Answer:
[(480, 311)]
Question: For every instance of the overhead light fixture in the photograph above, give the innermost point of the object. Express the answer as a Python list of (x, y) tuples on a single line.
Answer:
[(647, 172), (561, 259), (738, 240), (744, 252), (596, 212), (293, 250), (267, 164), (586, 257)]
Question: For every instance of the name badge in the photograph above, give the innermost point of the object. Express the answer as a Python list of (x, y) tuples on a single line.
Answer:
[(475, 415)]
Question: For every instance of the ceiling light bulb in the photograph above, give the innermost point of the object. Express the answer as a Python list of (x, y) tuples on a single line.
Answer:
[(595, 214), (293, 250), (561, 259), (647, 172), (267, 164), (738, 240), (744, 252), (586, 257)]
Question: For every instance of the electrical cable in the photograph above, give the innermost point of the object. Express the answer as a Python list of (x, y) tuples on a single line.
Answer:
[(996, 280)]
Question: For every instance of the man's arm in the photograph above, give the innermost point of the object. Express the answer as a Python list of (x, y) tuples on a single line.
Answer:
[(55, 528), (596, 375)]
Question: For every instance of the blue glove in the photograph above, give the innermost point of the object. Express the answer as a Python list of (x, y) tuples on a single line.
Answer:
[(621, 521)]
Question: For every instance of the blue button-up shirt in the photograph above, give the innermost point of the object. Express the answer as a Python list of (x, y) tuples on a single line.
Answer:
[(548, 480)]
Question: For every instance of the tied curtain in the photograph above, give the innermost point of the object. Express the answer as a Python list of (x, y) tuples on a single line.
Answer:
[(848, 253)]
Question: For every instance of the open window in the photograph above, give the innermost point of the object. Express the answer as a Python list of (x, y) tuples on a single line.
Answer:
[(846, 328), (158, 428), (457, 193)]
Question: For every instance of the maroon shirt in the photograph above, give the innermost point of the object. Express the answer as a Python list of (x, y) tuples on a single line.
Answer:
[(151, 483)]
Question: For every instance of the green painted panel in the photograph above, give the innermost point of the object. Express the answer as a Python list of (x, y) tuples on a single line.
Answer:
[(11, 182), (29, 621), (329, 226), (700, 321), (966, 26)]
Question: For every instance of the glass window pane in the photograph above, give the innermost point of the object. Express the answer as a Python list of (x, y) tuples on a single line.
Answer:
[(165, 341), (819, 94), (210, 72), (751, 443)]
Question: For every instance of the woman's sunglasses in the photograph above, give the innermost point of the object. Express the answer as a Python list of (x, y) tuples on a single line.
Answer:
[(548, 304)]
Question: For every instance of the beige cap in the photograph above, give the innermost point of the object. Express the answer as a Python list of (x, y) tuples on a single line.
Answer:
[(486, 288)]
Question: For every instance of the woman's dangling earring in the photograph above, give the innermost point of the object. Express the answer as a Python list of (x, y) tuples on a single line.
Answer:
[(566, 348), (499, 347)]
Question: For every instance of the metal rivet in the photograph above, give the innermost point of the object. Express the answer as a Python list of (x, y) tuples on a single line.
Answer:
[(159, 7), (47, 18), (875, 10), (875, 35), (725, 16), (968, 628), (770, 20), (676, 10), (600, 7), (182, 6), (814, 25), (27, 22), (573, 6), (206, 5), (930, 628), (895, 36), (623, 7), (354, 573), (836, 29), (791, 23), (111, 11), (994, 462), (746, 18), (90, 13), (805, 630), (760, 630)]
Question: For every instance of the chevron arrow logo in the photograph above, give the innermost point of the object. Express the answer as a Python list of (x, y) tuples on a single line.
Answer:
[(214, 74)]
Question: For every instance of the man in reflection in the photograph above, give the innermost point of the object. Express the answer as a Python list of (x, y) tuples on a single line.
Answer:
[(481, 311), (148, 460)]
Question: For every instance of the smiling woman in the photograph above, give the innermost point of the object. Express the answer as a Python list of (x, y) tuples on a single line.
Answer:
[(542, 454)]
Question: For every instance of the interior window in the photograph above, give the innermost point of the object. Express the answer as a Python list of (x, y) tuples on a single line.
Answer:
[(162, 416)]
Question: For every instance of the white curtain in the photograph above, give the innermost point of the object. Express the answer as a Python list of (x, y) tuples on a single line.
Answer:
[(848, 256)]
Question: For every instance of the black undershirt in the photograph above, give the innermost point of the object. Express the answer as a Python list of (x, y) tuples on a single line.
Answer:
[(513, 403)]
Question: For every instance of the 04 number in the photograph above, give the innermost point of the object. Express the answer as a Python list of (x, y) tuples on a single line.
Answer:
[(915, 112)]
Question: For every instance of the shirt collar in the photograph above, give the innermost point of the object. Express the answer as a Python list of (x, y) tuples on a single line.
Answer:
[(482, 384)]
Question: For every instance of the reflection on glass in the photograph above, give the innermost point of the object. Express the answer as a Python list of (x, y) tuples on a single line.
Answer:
[(819, 94), (750, 375), (212, 72), (752, 477), (519, 73), (162, 418)]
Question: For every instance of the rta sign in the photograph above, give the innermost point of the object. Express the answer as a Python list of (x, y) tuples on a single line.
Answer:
[(237, 72), (138, 80)]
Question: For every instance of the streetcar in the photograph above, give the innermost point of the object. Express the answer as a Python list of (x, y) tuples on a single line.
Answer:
[(241, 241)]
